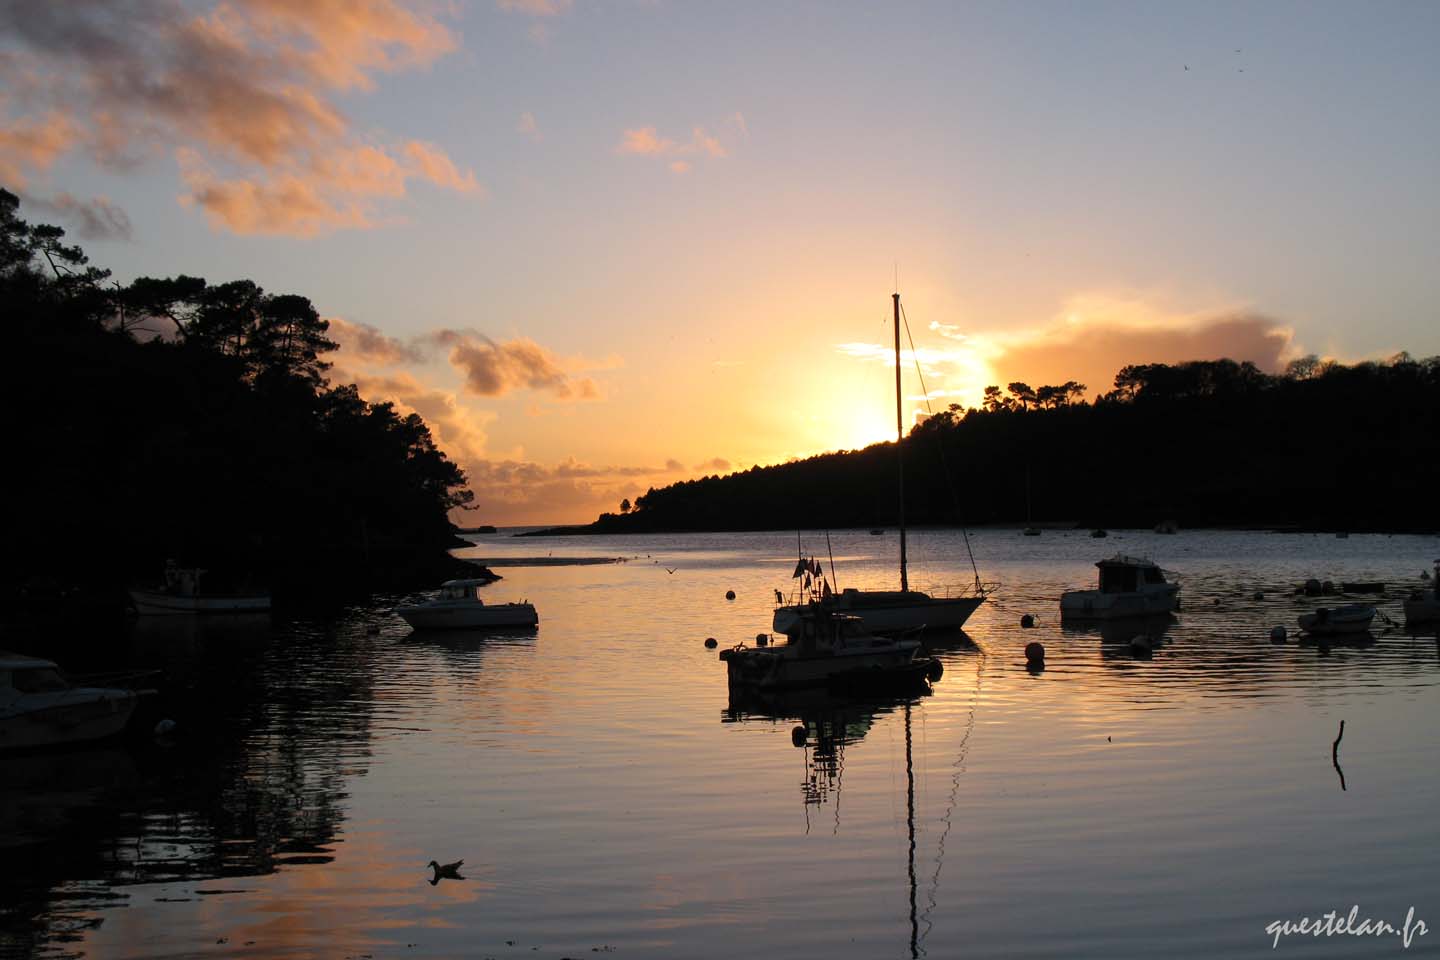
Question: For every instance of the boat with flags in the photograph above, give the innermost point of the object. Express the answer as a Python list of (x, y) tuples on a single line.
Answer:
[(880, 611)]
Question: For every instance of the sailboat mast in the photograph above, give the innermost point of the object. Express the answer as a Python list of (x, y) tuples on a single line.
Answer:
[(899, 440)]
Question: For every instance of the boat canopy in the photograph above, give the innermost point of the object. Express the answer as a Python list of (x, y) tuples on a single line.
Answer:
[(18, 661), (1122, 574), (477, 582)]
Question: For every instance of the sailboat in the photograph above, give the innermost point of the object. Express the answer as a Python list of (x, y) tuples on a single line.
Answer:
[(882, 611)]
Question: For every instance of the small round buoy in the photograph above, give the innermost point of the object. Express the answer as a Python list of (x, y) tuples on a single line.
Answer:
[(1312, 587), (1217, 601), (1027, 621), (711, 643), (1035, 652), (1141, 643), (1327, 587), (1277, 635), (798, 736), (164, 728), (729, 594), (762, 639), (1257, 595), (934, 670)]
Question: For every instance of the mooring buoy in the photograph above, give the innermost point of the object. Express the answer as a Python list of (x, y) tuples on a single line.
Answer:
[(711, 643), (1027, 621), (729, 594)]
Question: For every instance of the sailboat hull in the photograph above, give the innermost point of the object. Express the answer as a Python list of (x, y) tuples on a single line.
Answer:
[(881, 614)]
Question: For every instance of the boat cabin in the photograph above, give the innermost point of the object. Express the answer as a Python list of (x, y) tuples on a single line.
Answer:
[(20, 674), (461, 591), (1122, 574)]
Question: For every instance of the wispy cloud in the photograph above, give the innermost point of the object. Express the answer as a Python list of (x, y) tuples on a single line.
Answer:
[(680, 154), (93, 219), (241, 94)]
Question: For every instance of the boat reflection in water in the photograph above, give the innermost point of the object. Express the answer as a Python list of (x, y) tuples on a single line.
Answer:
[(828, 723)]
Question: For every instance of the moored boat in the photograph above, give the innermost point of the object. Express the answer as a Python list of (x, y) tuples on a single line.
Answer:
[(828, 650), (39, 707), (1129, 587), (1351, 618), (180, 593), (881, 610), (458, 606)]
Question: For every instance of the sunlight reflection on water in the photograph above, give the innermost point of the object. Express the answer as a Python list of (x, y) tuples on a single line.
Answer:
[(606, 792)]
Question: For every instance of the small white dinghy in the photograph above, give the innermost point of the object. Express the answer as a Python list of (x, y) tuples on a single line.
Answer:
[(1328, 621), (459, 607)]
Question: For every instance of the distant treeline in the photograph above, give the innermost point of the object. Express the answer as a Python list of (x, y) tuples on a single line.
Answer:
[(181, 419), (1206, 443)]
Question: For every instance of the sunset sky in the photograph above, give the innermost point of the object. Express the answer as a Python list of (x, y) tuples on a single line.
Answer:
[(603, 246)]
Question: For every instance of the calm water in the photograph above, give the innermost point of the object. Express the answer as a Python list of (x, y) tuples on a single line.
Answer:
[(608, 797)]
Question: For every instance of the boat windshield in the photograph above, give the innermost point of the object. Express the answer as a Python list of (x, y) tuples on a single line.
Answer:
[(38, 680), (1118, 579)]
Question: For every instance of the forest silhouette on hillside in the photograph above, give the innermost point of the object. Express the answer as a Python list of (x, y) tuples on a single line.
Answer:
[(1324, 445), (181, 419)]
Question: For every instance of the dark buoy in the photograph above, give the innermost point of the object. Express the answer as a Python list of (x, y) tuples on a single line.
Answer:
[(729, 594), (1027, 621), (711, 643), (934, 670), (1277, 635), (762, 639), (164, 728), (1257, 595), (797, 736), (1035, 654), (1141, 645)]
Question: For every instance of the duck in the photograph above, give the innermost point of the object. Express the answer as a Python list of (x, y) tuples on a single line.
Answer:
[(447, 871)]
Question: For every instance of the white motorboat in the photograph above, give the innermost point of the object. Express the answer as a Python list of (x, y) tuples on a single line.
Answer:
[(458, 606), (1329, 621), (40, 708), (1423, 606), (180, 593), (827, 650), (880, 610), (1129, 587)]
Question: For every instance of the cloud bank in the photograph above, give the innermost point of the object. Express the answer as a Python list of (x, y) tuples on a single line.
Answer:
[(242, 94)]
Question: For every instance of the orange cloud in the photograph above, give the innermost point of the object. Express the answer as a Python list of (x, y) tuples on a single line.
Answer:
[(244, 87), (367, 344), (1091, 339), (648, 142), (28, 144), (492, 369)]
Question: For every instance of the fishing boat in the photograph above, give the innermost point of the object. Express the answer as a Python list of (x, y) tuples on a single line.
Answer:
[(1423, 606), (1129, 587), (831, 650), (181, 593), (1329, 621), (458, 606), (881, 610), (39, 707)]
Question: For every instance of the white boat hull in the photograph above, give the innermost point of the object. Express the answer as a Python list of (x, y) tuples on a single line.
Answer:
[(77, 716), (469, 616), (159, 603), (938, 613), (1097, 605)]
